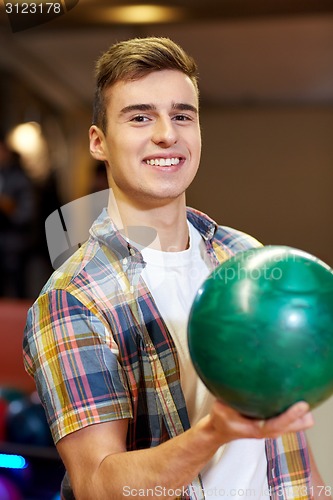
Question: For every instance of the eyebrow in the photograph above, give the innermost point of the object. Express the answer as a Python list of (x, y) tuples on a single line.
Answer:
[(151, 107)]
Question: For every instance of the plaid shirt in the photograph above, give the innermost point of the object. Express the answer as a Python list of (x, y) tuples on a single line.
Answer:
[(99, 351)]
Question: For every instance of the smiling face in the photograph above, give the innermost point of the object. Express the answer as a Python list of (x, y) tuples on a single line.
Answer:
[(152, 143)]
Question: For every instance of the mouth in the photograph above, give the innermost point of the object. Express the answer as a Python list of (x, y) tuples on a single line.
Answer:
[(164, 162)]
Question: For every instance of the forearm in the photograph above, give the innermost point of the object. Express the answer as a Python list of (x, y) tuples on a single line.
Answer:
[(100, 467), (167, 468), (320, 490)]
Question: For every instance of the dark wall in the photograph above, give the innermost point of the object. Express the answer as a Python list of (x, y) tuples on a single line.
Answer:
[(269, 171)]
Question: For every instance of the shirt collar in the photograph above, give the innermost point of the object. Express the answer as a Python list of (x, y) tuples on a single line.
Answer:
[(204, 224), (105, 231)]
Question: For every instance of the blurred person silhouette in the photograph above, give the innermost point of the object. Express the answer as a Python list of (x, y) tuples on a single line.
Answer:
[(16, 218), (48, 198)]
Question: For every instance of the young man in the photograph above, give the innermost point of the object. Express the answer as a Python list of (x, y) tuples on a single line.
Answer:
[(106, 339)]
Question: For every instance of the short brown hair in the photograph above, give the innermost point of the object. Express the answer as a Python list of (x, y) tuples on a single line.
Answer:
[(133, 59)]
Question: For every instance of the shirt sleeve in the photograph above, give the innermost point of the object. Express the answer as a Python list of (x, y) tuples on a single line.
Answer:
[(73, 358)]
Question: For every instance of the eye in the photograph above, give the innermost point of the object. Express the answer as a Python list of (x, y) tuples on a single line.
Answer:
[(139, 119), (182, 118)]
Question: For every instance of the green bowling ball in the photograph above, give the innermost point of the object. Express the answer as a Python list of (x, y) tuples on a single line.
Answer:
[(260, 331)]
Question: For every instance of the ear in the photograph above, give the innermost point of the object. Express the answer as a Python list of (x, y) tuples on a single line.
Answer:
[(97, 143)]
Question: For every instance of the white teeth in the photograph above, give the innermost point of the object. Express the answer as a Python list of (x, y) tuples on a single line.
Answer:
[(162, 162)]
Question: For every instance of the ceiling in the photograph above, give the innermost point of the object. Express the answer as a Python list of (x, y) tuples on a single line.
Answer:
[(248, 51)]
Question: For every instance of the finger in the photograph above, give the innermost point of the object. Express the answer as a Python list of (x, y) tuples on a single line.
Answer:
[(294, 419), (233, 423)]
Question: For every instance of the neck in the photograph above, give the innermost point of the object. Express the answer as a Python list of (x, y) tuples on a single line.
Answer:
[(166, 224)]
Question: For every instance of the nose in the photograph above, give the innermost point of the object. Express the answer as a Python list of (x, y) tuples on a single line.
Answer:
[(164, 134)]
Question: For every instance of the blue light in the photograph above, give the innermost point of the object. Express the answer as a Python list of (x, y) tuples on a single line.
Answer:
[(12, 461)]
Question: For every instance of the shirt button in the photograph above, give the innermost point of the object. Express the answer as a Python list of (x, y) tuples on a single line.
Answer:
[(131, 251), (125, 261)]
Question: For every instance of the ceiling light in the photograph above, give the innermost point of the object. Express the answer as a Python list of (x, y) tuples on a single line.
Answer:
[(139, 14), (25, 138), (28, 141)]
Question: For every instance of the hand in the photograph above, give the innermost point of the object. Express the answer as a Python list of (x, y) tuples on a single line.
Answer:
[(232, 425)]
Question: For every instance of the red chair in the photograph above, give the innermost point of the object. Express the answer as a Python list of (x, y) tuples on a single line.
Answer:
[(13, 314)]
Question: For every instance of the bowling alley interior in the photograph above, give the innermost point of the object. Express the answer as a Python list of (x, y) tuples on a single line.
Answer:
[(266, 116)]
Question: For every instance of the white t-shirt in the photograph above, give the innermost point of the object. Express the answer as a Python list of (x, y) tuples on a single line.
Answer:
[(238, 469)]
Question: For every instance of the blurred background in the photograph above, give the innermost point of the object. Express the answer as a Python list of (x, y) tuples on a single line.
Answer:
[(266, 80)]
